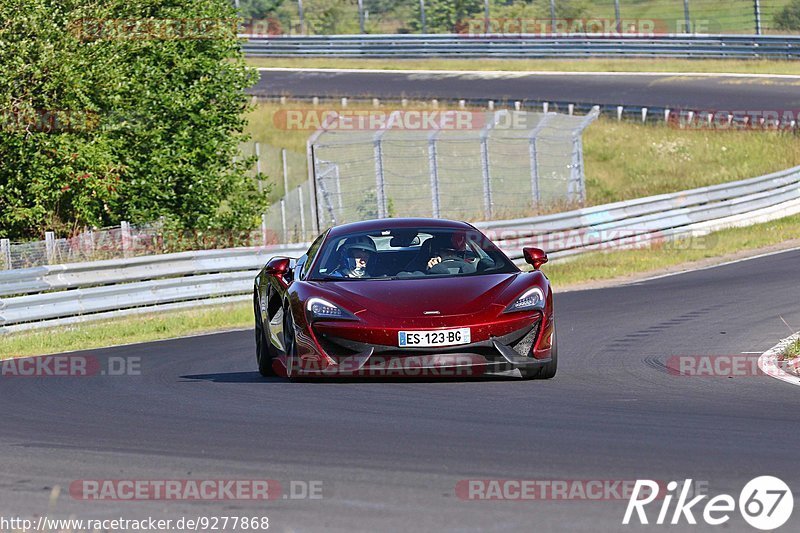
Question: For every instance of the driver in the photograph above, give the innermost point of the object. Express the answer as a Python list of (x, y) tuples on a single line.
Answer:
[(451, 249), (355, 256)]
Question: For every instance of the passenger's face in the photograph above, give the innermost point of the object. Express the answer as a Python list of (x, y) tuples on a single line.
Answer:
[(361, 258)]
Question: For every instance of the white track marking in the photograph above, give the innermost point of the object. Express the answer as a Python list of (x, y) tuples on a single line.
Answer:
[(522, 73)]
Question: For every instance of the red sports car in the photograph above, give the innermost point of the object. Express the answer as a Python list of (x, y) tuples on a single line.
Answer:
[(404, 298)]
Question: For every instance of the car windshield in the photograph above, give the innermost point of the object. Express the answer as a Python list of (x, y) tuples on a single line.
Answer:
[(408, 254)]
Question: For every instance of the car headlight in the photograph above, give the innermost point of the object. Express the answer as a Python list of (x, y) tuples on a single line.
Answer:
[(321, 309), (529, 300)]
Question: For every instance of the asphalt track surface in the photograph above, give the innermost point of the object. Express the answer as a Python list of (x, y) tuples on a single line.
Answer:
[(389, 454), (675, 91)]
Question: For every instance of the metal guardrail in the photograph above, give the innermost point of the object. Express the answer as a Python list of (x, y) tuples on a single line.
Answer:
[(61, 294), (524, 46)]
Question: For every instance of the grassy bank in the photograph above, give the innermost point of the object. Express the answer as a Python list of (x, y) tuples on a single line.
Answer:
[(593, 267), (129, 330), (550, 65)]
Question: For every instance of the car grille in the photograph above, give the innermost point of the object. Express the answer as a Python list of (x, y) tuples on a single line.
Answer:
[(524, 345)]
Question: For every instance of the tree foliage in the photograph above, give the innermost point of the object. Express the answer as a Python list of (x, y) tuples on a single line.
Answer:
[(132, 121)]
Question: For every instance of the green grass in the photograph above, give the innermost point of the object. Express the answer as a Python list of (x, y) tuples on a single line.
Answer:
[(599, 266), (793, 350), (129, 330), (754, 66), (563, 274)]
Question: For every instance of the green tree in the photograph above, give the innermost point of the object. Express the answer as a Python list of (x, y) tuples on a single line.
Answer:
[(444, 16), (137, 121)]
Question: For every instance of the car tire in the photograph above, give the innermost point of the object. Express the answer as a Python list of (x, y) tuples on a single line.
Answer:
[(547, 370), (264, 356)]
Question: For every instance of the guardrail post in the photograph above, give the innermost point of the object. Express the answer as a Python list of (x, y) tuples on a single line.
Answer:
[(5, 252), (50, 246), (757, 9)]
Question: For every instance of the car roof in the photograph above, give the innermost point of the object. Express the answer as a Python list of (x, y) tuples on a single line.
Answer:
[(396, 223)]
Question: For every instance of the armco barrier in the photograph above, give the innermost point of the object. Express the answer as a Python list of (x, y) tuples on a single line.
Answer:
[(62, 294), (524, 46)]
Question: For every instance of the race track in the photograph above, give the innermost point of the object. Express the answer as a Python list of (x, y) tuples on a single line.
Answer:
[(390, 454), (675, 91)]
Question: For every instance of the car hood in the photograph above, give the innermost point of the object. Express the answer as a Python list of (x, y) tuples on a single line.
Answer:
[(411, 298)]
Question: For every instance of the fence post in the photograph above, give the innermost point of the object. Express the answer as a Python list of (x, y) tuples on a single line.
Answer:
[(263, 229), (687, 19), (433, 168), (536, 193), (617, 17), (577, 186), (302, 213), (5, 252), (552, 16), (285, 233), (380, 178), (125, 233), (258, 167), (486, 16), (302, 19), (380, 184), (50, 246), (757, 9), (285, 172), (423, 23), (361, 15)]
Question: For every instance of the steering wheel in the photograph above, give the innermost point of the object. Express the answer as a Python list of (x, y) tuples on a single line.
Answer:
[(442, 268)]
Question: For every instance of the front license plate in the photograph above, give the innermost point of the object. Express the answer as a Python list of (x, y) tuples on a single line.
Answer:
[(438, 337)]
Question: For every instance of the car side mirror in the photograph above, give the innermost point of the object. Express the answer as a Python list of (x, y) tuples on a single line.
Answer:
[(278, 266), (535, 257)]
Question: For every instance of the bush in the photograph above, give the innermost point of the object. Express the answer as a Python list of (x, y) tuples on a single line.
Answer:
[(788, 18), (110, 122)]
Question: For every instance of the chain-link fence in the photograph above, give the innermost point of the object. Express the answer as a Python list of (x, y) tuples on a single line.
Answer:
[(467, 166), (126, 241), (327, 17)]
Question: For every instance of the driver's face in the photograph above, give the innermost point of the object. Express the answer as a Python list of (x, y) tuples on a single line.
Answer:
[(361, 258)]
